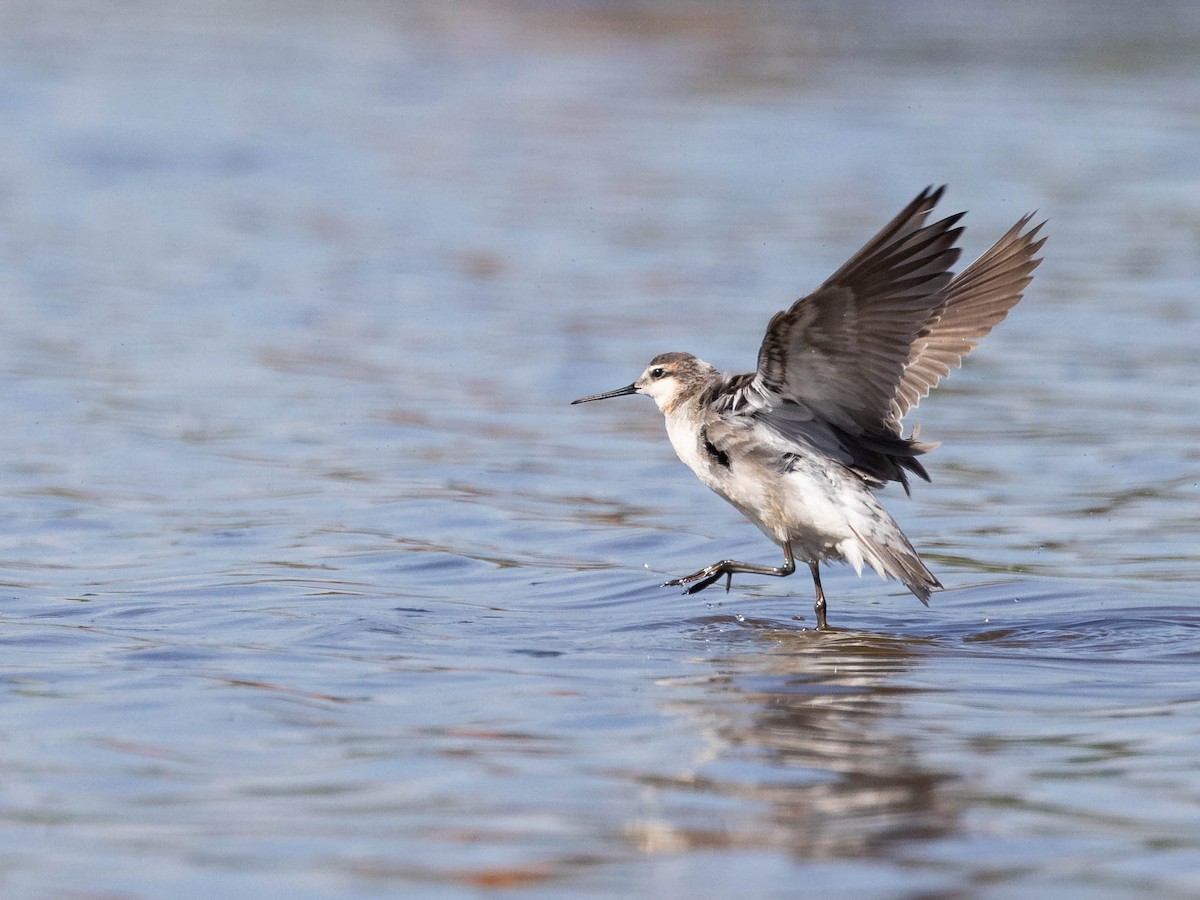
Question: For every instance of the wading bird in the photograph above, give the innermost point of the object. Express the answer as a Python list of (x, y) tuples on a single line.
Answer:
[(801, 444)]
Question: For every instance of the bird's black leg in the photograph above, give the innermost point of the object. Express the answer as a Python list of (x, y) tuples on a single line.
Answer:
[(728, 567), (819, 606)]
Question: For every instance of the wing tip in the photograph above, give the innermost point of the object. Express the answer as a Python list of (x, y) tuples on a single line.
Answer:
[(932, 194)]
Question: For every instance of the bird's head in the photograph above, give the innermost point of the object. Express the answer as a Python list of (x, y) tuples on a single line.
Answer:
[(669, 379)]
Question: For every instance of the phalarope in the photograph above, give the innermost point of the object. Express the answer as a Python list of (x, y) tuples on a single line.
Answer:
[(800, 445)]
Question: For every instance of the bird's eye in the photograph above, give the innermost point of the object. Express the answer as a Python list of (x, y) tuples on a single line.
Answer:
[(657, 372)]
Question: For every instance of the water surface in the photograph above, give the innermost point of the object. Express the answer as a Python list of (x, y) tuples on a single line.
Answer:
[(313, 583)]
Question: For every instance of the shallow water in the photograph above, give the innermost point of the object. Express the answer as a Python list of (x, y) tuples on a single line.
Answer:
[(313, 583)]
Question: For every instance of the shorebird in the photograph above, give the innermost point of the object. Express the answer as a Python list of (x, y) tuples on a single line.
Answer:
[(800, 445)]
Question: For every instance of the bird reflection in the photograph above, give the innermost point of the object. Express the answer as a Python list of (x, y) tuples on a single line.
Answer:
[(812, 734)]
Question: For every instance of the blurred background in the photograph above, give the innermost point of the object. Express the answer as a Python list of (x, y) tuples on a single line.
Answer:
[(312, 583)]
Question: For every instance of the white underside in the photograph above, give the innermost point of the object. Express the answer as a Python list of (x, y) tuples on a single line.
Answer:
[(823, 510)]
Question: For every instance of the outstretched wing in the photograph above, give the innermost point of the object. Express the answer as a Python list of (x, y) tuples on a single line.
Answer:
[(840, 368), (972, 304), (839, 353)]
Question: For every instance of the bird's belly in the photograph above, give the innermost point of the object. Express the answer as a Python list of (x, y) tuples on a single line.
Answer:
[(807, 507), (804, 509)]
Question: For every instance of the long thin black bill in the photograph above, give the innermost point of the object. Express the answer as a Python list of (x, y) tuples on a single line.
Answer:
[(619, 392)]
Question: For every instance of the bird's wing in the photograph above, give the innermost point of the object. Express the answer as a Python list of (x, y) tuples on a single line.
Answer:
[(838, 354), (974, 302)]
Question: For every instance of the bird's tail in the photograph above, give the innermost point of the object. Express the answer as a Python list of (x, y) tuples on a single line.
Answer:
[(885, 549)]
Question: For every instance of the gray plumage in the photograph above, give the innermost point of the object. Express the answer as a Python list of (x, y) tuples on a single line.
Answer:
[(800, 444)]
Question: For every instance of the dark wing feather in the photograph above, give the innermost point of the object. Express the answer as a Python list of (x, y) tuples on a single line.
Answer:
[(840, 368), (972, 304), (840, 352)]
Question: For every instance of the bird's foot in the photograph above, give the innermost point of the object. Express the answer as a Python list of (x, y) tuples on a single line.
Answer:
[(704, 578)]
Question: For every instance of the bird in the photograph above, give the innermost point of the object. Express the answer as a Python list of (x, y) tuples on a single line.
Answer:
[(801, 445)]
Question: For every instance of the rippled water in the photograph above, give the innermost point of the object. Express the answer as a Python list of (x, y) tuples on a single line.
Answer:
[(313, 583)]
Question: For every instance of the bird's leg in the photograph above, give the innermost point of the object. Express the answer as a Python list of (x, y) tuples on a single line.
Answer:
[(819, 606), (728, 567)]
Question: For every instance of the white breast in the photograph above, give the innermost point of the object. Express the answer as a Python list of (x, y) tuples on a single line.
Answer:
[(689, 447)]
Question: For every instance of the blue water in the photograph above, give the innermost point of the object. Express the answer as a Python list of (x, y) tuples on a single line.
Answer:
[(312, 583)]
